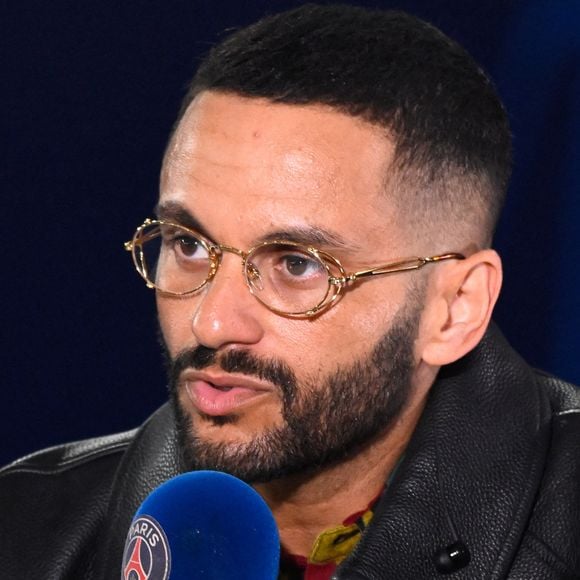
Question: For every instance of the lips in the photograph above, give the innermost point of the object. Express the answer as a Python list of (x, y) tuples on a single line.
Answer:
[(222, 395)]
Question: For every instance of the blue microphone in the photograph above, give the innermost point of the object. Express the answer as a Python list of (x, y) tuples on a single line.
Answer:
[(204, 524)]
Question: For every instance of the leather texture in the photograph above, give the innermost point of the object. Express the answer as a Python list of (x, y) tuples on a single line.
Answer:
[(494, 462)]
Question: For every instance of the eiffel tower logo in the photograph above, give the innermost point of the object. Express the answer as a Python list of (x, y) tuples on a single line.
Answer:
[(134, 568)]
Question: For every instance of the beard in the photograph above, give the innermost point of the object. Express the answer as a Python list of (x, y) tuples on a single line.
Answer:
[(324, 420)]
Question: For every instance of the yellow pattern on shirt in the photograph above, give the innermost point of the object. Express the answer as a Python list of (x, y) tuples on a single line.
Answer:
[(335, 544)]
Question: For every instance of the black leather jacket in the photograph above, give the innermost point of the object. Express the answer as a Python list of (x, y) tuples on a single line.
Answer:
[(496, 456)]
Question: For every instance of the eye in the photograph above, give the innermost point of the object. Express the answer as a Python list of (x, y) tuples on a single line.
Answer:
[(280, 267), (190, 247), (298, 265), (184, 244)]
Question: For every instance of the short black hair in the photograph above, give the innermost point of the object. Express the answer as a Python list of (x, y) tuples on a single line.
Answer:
[(450, 130)]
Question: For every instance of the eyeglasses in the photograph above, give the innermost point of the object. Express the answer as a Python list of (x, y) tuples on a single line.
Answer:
[(289, 278)]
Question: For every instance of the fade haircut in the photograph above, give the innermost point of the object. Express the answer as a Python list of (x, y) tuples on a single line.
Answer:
[(452, 140)]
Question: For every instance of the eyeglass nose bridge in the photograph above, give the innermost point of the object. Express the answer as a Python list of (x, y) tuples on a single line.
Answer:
[(225, 248)]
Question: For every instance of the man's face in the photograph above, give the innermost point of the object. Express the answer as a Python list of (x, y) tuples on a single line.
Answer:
[(258, 394)]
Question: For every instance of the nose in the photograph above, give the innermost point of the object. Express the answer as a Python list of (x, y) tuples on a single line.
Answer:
[(226, 313)]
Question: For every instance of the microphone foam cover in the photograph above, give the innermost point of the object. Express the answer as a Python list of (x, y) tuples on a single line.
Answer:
[(203, 524)]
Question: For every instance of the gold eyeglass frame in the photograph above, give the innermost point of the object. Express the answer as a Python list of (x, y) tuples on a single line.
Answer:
[(336, 284)]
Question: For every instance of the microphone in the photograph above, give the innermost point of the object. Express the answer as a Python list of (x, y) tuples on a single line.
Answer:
[(204, 524)]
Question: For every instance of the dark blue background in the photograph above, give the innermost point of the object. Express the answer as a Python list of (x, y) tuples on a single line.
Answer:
[(88, 94)]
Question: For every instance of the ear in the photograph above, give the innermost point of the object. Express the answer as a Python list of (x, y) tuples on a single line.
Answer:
[(462, 297)]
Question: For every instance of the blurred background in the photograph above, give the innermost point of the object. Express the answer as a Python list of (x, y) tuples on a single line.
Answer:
[(89, 91)]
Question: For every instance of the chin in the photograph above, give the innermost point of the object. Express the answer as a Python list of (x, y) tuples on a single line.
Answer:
[(234, 429)]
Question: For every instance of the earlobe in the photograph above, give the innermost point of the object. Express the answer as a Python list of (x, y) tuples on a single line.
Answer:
[(461, 306)]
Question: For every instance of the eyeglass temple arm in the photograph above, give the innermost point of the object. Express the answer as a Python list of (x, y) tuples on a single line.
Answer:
[(403, 266)]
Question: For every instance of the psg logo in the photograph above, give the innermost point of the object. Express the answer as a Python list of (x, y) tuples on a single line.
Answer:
[(146, 555)]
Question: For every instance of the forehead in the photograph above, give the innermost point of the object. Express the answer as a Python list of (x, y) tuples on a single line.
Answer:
[(242, 166)]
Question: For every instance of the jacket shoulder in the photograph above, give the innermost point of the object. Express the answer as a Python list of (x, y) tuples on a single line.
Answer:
[(552, 540), (67, 456), (53, 504), (564, 397)]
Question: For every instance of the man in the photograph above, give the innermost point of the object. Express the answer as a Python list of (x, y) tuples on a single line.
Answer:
[(325, 282)]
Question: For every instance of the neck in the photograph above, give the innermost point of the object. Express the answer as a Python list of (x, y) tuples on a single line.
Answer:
[(306, 505)]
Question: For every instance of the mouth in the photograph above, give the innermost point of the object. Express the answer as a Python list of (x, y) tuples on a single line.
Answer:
[(218, 395)]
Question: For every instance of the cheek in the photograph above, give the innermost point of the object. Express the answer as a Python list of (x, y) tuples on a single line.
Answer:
[(316, 348), (175, 323)]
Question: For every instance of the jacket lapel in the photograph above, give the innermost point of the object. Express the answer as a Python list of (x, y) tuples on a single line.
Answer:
[(151, 459)]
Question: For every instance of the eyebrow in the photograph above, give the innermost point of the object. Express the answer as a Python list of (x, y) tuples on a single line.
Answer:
[(307, 235), (172, 211)]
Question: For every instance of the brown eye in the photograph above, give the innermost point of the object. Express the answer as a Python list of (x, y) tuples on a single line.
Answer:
[(300, 266), (297, 265), (184, 245), (189, 246)]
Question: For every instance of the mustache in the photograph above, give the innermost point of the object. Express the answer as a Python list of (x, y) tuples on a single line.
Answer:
[(240, 361)]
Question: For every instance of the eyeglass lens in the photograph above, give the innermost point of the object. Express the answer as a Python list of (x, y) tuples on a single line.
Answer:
[(173, 259), (286, 277)]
